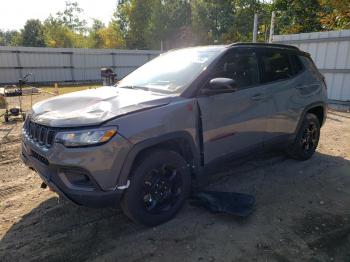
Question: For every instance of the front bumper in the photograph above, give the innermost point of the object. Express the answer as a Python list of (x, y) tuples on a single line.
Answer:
[(55, 175)]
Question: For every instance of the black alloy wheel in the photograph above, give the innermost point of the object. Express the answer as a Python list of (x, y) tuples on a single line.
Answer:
[(306, 140), (160, 182), (162, 188)]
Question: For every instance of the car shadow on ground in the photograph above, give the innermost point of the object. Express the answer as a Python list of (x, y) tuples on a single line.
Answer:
[(61, 231)]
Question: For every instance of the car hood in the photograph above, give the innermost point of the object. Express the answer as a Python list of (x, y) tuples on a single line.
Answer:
[(94, 106)]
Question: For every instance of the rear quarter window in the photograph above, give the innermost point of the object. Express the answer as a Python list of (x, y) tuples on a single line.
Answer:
[(307, 61), (298, 66)]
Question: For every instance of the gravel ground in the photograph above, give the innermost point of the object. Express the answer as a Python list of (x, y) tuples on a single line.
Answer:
[(302, 213)]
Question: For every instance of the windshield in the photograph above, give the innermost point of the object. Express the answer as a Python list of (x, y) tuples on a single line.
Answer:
[(171, 72)]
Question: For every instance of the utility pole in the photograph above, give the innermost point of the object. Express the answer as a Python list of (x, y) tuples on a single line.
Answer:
[(255, 28), (272, 27)]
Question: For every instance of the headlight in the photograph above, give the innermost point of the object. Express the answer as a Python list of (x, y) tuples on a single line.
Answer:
[(85, 137)]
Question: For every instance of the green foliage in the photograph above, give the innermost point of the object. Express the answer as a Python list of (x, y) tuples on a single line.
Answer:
[(10, 38), (107, 37), (139, 17), (297, 16), (56, 34), (33, 33), (166, 18), (70, 17), (121, 15), (213, 19), (144, 24), (335, 14), (95, 40)]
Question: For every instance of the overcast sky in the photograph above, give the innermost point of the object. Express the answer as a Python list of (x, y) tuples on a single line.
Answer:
[(14, 13)]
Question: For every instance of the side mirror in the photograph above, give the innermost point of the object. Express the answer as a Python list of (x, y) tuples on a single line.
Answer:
[(220, 85)]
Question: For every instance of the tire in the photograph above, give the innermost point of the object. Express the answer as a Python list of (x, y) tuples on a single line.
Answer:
[(6, 118), (306, 141), (24, 116), (160, 184)]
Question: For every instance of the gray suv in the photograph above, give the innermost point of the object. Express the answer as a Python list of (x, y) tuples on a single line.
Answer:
[(145, 141)]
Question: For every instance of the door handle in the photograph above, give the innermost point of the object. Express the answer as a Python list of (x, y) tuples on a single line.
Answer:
[(258, 97)]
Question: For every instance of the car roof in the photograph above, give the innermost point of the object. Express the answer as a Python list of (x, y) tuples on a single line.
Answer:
[(260, 46), (265, 45)]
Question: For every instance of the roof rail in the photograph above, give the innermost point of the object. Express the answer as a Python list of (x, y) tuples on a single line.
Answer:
[(265, 45)]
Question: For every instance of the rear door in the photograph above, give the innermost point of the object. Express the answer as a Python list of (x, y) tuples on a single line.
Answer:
[(281, 81), (234, 122)]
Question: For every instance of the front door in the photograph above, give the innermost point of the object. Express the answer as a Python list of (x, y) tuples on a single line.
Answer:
[(234, 122)]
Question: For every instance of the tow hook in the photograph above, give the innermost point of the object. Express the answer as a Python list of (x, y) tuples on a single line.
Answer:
[(44, 186)]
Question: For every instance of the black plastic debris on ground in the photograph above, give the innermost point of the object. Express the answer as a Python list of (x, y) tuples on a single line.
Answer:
[(237, 204)]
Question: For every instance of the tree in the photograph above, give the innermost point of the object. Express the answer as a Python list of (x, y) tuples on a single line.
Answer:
[(121, 15), (133, 18), (111, 37), (94, 38), (5, 38), (70, 17), (33, 34), (166, 18), (141, 24), (297, 16), (144, 24), (10, 38), (211, 19), (335, 14), (66, 29), (136, 37), (56, 34), (242, 29)]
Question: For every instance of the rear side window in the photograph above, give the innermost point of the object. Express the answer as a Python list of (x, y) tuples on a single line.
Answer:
[(297, 64), (275, 66), (242, 67)]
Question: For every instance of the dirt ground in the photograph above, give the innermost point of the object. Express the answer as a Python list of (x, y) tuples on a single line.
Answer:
[(302, 213)]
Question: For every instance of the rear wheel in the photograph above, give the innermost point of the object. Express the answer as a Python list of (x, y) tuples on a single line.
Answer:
[(6, 118), (306, 141), (160, 183)]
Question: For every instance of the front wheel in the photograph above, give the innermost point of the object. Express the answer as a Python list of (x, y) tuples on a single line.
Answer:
[(160, 183), (306, 141)]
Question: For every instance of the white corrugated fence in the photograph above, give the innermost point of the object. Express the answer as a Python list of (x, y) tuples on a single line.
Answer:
[(67, 64), (331, 54), (330, 51)]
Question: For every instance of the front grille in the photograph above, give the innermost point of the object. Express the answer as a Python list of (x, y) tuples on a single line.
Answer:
[(42, 134), (40, 158)]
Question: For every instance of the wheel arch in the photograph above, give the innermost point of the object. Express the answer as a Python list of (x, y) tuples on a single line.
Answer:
[(181, 142), (317, 108), (319, 111)]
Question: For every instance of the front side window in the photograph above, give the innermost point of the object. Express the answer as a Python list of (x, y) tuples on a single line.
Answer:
[(171, 72), (242, 67), (275, 66)]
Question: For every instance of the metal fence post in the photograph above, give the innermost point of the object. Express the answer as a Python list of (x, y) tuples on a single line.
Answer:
[(19, 64)]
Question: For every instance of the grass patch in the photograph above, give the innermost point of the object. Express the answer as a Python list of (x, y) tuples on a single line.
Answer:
[(69, 89)]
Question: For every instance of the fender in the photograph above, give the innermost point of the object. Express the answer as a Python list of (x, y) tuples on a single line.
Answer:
[(307, 108), (151, 142)]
